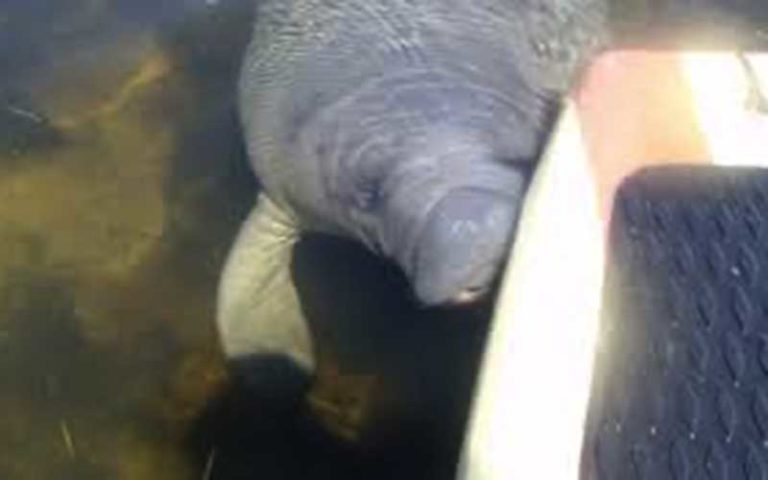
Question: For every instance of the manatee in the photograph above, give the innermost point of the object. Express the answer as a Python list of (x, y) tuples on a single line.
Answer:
[(409, 126)]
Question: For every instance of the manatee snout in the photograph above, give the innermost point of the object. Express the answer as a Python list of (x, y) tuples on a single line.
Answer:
[(464, 242)]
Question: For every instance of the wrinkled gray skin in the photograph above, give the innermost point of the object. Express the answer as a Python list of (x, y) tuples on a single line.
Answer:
[(408, 125)]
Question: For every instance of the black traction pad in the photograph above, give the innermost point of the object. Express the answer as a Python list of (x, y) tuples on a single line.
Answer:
[(680, 390)]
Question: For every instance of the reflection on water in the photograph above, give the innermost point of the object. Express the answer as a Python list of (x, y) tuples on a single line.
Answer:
[(122, 183)]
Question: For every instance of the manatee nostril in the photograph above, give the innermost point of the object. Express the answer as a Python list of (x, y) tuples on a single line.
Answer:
[(468, 295)]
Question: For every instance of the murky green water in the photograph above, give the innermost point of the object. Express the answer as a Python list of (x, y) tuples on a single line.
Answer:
[(122, 184)]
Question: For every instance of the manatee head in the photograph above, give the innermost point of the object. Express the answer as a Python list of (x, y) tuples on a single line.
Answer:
[(429, 171)]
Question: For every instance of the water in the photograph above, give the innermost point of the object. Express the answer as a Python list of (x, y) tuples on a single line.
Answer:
[(122, 183)]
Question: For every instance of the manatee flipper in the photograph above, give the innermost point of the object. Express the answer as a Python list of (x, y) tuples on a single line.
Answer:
[(260, 319)]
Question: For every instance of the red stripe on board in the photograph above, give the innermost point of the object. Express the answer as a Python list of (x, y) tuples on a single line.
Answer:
[(635, 110)]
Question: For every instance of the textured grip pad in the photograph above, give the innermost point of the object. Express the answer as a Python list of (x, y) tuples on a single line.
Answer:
[(681, 380)]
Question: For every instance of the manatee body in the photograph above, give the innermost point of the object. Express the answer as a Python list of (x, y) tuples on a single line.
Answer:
[(407, 125)]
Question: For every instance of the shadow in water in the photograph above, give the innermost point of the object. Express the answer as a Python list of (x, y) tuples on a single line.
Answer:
[(247, 432), (211, 187), (391, 392)]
